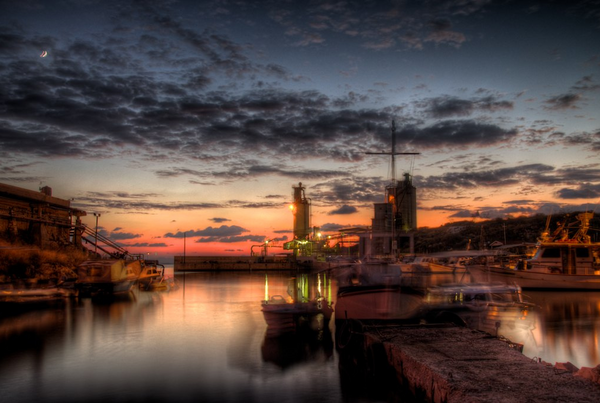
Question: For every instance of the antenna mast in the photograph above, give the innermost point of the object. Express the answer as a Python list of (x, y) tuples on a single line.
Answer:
[(393, 153)]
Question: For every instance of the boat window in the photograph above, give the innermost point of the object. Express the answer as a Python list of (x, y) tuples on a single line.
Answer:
[(551, 252), (582, 252)]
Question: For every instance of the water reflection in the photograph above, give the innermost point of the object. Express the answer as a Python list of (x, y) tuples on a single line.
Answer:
[(312, 341), (306, 303), (209, 341), (568, 327)]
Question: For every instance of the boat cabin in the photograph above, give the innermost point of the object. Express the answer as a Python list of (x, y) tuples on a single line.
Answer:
[(565, 258)]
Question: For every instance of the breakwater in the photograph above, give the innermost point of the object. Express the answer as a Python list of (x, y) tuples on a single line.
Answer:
[(446, 364), (234, 263)]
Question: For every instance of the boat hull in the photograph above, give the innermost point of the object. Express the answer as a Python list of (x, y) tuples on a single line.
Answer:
[(101, 277), (378, 303), (528, 279), (285, 317)]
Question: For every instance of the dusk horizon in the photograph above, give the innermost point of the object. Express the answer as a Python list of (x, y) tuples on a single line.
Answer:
[(195, 119)]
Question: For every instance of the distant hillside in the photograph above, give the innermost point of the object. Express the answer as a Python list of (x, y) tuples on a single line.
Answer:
[(456, 236)]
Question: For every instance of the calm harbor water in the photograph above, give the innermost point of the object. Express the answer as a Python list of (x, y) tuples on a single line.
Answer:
[(208, 341)]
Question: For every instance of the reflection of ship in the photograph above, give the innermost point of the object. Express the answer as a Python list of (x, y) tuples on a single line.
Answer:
[(560, 262), (24, 298), (308, 343), (497, 309), (568, 327), (375, 292), (370, 294), (306, 302), (107, 276)]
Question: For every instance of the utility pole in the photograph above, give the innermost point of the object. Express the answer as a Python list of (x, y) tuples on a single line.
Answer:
[(97, 215)]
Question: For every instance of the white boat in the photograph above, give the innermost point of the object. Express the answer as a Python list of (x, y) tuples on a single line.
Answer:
[(560, 262), (107, 276), (283, 314)]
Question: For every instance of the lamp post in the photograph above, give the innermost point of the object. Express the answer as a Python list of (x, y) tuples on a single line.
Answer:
[(97, 215)]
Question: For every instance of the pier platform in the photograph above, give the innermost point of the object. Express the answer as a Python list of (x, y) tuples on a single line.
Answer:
[(446, 364), (233, 263)]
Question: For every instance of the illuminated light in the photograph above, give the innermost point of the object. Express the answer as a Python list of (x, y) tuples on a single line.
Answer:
[(44, 54)]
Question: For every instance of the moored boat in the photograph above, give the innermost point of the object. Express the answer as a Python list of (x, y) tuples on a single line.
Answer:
[(285, 314), (560, 262), (151, 275), (106, 276)]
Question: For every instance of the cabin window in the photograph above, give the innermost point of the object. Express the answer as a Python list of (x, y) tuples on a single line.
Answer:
[(582, 252), (551, 252)]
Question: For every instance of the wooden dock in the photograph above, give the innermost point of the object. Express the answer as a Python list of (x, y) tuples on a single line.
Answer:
[(447, 364)]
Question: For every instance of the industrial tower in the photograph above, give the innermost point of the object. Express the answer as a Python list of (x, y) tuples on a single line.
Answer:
[(396, 217)]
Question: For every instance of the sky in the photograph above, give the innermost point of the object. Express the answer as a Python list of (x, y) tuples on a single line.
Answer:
[(185, 124)]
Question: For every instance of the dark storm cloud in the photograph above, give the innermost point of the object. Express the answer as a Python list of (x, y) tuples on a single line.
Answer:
[(563, 102), (441, 33), (344, 210), (487, 178), (146, 245), (222, 234), (456, 133), (583, 191), (586, 83), (68, 107), (109, 201), (219, 220), (363, 191), (585, 139), (464, 214), (447, 106), (232, 239), (119, 236), (381, 25), (222, 231), (568, 176), (247, 170), (533, 174)]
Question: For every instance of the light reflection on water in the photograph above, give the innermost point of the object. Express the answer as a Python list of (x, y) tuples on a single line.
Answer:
[(207, 342)]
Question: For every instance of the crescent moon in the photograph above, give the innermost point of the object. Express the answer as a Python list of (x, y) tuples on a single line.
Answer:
[(44, 54)]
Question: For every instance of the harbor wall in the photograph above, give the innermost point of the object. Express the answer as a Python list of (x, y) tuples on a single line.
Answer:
[(234, 263), (447, 364)]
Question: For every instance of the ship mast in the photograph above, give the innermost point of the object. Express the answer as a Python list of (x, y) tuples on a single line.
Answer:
[(394, 184), (393, 153)]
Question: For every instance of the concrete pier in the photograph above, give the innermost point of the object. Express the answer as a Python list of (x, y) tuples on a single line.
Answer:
[(446, 364), (232, 263)]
